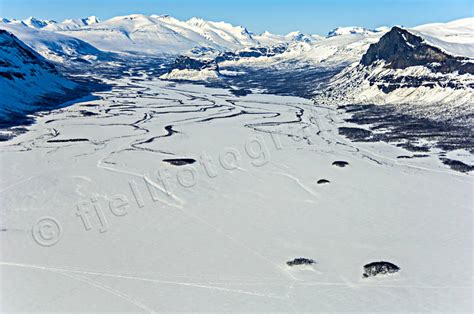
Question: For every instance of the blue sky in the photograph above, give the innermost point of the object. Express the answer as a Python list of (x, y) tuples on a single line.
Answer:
[(277, 16)]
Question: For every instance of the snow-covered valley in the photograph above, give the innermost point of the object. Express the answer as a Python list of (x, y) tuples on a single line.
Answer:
[(215, 235), (250, 173)]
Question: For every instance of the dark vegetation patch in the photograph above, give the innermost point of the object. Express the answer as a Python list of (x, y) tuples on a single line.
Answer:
[(407, 131), (285, 79), (413, 147), (413, 156), (180, 161), (69, 140), (357, 134), (376, 268), (301, 261), (240, 92), (340, 163), (87, 113), (188, 63), (6, 137), (12, 75), (457, 165)]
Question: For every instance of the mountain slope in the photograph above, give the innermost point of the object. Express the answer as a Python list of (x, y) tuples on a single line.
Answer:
[(69, 24), (54, 46), (35, 23), (163, 34), (405, 69), (456, 37), (401, 49), (138, 34), (27, 81), (349, 30)]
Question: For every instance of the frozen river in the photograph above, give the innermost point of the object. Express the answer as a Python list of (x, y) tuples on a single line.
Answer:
[(159, 196)]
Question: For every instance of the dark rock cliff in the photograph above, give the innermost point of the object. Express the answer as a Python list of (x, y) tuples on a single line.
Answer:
[(401, 49), (188, 63)]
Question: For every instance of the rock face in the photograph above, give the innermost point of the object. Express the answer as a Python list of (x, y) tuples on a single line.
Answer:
[(401, 49), (376, 268), (252, 52), (192, 69), (188, 63)]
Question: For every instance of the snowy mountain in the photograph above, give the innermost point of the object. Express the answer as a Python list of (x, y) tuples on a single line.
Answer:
[(69, 24), (269, 39), (339, 31), (161, 34), (343, 49), (54, 46), (421, 73), (36, 23), (239, 191), (27, 81), (223, 34), (455, 38)]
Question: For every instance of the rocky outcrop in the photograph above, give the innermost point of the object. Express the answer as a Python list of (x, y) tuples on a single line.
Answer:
[(188, 63), (186, 68), (252, 52), (400, 49)]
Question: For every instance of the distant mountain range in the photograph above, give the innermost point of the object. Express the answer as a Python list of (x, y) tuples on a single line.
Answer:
[(429, 65), (154, 34)]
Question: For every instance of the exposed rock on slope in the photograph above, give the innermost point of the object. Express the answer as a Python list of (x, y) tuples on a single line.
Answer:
[(401, 49), (252, 52), (188, 63), (189, 68), (403, 69)]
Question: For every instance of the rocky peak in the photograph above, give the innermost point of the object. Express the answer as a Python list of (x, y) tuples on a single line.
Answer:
[(400, 49)]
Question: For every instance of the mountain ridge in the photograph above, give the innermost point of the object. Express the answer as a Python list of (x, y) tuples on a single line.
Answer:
[(28, 82)]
